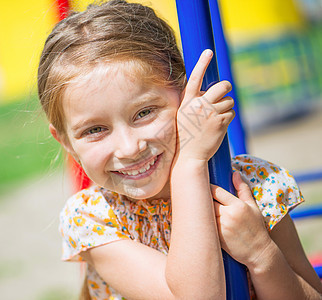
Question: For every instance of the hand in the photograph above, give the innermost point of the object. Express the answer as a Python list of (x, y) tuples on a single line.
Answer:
[(241, 227), (203, 117)]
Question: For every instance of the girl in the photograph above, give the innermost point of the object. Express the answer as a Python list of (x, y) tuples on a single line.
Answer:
[(112, 83)]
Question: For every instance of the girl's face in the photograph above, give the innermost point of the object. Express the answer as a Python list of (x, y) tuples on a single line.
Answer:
[(123, 131)]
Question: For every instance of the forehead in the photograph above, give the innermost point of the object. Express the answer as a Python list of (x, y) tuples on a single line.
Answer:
[(111, 82), (125, 75), (133, 70), (107, 73), (95, 81), (125, 82)]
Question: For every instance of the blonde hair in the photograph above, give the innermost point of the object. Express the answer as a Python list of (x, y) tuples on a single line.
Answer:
[(113, 31)]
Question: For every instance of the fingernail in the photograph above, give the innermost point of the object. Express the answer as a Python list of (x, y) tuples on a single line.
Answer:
[(208, 52)]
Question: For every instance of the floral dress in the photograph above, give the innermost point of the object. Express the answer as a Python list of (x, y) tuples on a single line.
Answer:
[(96, 216)]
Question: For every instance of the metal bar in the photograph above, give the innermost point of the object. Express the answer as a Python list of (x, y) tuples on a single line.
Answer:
[(308, 176), (196, 35), (318, 270), (307, 212)]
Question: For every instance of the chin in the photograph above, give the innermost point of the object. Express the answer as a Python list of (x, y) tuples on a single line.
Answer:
[(143, 193), (139, 195)]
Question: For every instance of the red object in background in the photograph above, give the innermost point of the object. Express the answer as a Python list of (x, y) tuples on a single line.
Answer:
[(79, 178), (63, 8), (316, 259)]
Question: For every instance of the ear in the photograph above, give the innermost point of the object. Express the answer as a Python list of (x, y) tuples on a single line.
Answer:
[(54, 133), (63, 141)]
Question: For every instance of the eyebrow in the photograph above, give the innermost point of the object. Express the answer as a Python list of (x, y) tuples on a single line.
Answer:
[(144, 100), (80, 124)]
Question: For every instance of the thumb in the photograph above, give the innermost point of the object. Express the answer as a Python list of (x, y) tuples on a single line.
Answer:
[(243, 191)]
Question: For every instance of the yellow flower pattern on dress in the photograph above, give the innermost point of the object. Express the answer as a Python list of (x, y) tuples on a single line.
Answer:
[(275, 169), (279, 196), (96, 216), (248, 169), (262, 172), (79, 221), (72, 242), (257, 193), (99, 229), (95, 201), (93, 284), (111, 220), (274, 189), (283, 208)]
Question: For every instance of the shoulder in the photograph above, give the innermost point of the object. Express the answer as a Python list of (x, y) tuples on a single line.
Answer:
[(88, 220), (274, 188), (90, 201)]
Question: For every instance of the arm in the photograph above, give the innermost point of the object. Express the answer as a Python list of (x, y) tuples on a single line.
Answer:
[(277, 263), (136, 271), (195, 246), (193, 268), (283, 271)]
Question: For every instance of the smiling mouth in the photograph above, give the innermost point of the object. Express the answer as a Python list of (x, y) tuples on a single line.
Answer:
[(144, 171)]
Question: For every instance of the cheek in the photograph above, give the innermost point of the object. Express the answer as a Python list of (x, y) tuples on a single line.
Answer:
[(165, 134), (164, 130), (92, 155)]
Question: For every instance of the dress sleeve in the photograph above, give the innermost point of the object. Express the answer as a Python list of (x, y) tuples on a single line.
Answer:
[(87, 221), (274, 189)]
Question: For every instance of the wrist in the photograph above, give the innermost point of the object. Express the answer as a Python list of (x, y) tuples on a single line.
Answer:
[(182, 162), (264, 260), (189, 170)]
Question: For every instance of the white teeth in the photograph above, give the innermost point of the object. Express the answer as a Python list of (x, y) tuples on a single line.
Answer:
[(142, 170)]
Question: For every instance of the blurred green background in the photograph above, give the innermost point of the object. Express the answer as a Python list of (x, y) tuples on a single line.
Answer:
[(26, 146)]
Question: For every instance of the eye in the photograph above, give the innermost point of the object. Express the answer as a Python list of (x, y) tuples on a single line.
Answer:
[(95, 133), (144, 113), (95, 130)]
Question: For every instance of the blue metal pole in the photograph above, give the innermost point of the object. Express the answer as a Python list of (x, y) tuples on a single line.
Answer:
[(318, 270), (308, 176), (307, 211), (236, 131), (196, 35)]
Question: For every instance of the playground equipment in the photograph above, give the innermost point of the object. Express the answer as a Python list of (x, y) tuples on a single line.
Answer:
[(196, 36), (63, 8)]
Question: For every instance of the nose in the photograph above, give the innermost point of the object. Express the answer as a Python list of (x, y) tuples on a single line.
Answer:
[(128, 143)]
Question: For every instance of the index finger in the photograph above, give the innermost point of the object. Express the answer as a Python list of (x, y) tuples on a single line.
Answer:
[(197, 74), (243, 191), (222, 196)]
